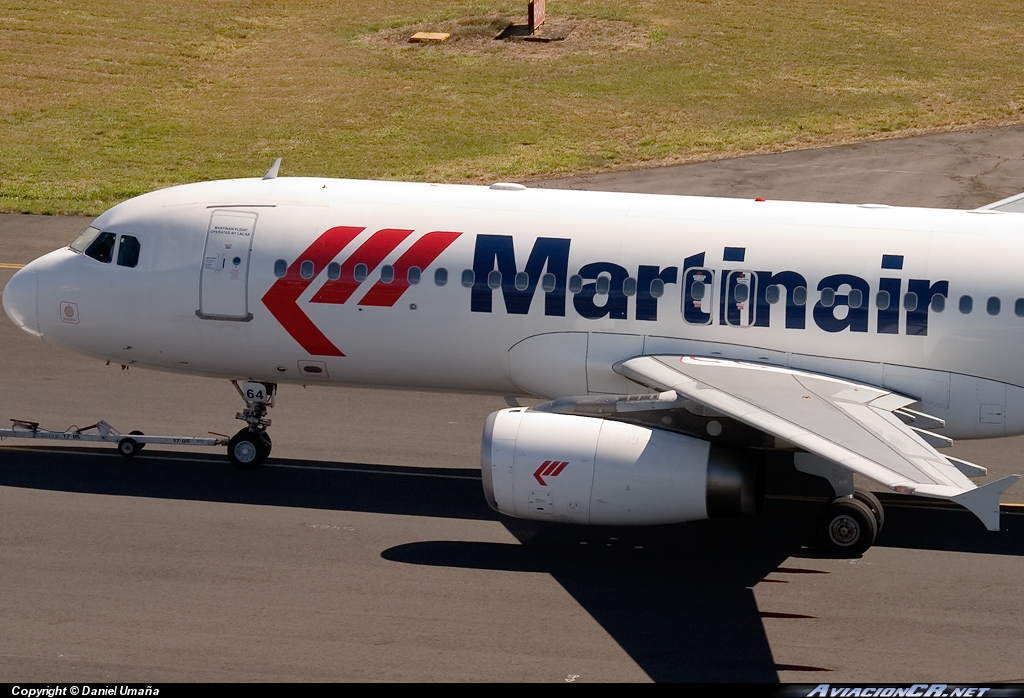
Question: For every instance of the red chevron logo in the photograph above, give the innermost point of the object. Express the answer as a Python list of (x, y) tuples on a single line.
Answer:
[(282, 298), (422, 253), (371, 253), (549, 468)]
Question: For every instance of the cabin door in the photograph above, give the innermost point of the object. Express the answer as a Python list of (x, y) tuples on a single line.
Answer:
[(224, 281)]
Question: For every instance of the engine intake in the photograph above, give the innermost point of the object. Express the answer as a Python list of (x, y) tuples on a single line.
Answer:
[(557, 467)]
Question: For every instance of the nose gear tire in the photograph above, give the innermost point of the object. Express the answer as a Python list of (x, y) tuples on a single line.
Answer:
[(248, 448)]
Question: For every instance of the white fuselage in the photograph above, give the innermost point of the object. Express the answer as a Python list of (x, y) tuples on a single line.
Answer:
[(575, 293)]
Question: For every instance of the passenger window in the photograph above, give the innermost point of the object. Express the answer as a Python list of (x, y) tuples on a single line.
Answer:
[(855, 298), (800, 295), (828, 297), (306, 269), (360, 272), (882, 300), (772, 294), (575, 283), (333, 271), (494, 279), (522, 281), (629, 286), (468, 278), (128, 251), (547, 282), (657, 288), (387, 273), (938, 303), (966, 305), (910, 302), (1018, 307), (441, 276), (993, 306), (413, 275), (697, 290), (102, 248), (604, 284), (280, 268)]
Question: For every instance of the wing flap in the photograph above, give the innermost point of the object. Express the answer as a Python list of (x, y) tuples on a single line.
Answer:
[(845, 422)]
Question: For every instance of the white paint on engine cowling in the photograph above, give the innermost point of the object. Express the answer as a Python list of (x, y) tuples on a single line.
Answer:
[(615, 473)]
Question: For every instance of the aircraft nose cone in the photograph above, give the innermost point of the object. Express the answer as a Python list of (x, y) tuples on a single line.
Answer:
[(19, 298)]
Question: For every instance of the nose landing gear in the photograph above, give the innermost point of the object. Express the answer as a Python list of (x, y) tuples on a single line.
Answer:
[(251, 445)]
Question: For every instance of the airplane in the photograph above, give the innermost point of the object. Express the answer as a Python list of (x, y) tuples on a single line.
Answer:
[(680, 341)]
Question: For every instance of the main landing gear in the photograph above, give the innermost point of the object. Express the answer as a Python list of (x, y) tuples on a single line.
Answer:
[(251, 446), (848, 526)]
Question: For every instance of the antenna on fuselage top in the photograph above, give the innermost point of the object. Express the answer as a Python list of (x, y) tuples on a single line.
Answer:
[(272, 172)]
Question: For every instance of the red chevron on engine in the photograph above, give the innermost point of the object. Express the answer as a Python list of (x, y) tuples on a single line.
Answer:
[(549, 468)]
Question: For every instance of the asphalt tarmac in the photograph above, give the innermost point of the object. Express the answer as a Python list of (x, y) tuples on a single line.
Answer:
[(363, 550)]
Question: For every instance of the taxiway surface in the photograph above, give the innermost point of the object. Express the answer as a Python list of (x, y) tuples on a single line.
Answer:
[(364, 550)]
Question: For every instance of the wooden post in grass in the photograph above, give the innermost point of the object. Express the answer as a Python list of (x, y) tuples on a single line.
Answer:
[(536, 14)]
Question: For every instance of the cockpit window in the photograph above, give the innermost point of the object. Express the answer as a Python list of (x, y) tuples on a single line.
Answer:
[(83, 240), (128, 251), (102, 248)]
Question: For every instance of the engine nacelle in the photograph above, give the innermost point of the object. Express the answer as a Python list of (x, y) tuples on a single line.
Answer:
[(557, 467)]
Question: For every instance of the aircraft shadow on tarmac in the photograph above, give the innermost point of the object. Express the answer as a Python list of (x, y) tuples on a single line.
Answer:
[(678, 599)]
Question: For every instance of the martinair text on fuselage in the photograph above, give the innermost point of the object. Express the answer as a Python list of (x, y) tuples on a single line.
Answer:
[(602, 289)]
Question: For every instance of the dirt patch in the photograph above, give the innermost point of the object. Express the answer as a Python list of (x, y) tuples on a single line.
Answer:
[(476, 35)]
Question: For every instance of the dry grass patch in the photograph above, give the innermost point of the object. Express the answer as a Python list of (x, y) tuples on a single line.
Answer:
[(100, 100), (477, 35)]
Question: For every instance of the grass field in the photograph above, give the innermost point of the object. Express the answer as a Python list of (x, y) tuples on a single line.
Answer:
[(101, 100)]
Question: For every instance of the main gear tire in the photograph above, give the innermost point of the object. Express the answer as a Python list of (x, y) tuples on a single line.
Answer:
[(869, 498), (846, 528)]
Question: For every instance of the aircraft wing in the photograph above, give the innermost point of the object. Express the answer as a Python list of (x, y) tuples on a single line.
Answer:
[(847, 423), (1012, 204)]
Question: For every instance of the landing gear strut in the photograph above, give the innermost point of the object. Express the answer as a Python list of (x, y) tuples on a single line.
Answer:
[(251, 445)]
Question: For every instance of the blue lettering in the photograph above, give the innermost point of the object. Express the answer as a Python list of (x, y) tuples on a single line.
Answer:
[(856, 316), (745, 297), (917, 319), (646, 303), (889, 316), (738, 298), (497, 251), (616, 305), (796, 314), (698, 284)]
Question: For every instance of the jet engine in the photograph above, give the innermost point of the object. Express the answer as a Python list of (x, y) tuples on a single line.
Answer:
[(557, 467)]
